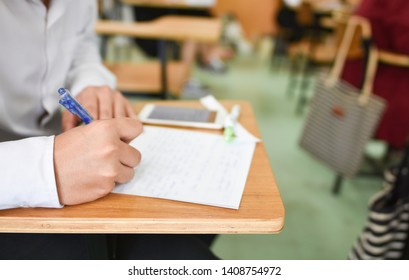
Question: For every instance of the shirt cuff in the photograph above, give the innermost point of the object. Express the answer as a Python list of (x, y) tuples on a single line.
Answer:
[(29, 180), (51, 198)]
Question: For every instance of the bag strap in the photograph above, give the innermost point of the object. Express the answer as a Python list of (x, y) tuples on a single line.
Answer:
[(369, 76), (353, 23)]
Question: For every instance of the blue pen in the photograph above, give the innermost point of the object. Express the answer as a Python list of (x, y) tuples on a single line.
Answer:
[(72, 105)]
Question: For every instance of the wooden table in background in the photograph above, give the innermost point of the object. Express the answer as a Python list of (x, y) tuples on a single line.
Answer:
[(261, 209), (172, 28), (171, 4), (151, 76)]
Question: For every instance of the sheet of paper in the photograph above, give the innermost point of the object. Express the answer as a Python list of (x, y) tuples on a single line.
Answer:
[(190, 166)]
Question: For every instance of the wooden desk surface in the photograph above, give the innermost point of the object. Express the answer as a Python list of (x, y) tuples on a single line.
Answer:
[(261, 209), (178, 4), (174, 28)]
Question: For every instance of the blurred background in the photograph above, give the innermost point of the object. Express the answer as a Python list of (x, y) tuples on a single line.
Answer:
[(269, 53)]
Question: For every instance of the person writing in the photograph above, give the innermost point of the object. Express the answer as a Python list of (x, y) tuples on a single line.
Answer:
[(46, 159), (43, 46)]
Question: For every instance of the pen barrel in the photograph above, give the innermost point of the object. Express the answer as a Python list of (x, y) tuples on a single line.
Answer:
[(72, 105)]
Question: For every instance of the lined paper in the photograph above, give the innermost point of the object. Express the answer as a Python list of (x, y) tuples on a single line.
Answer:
[(190, 166)]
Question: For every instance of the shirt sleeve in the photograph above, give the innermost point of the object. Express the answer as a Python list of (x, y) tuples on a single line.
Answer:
[(27, 174), (87, 68)]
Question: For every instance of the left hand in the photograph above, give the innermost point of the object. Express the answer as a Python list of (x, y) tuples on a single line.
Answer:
[(101, 102)]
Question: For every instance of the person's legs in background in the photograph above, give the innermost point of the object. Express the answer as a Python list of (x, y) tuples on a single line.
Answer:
[(190, 52), (208, 55), (148, 46)]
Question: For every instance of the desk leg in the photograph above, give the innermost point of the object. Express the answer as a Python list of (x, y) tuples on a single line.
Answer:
[(163, 69), (104, 46), (337, 184)]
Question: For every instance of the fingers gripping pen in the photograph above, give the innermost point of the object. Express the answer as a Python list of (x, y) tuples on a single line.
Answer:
[(72, 105)]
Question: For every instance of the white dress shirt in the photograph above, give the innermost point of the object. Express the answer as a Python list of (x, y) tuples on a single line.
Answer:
[(40, 51)]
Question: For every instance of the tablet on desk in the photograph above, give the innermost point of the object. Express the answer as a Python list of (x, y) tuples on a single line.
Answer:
[(181, 116)]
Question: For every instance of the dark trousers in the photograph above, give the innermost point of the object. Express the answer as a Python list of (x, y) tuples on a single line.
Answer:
[(149, 46), (126, 246)]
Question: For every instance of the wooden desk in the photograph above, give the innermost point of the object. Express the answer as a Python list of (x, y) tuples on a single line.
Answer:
[(166, 28), (172, 28), (146, 77), (170, 4), (261, 209)]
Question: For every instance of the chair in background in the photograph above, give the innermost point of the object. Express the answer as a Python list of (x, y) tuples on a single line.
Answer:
[(308, 38), (156, 79), (159, 78), (292, 25), (318, 49)]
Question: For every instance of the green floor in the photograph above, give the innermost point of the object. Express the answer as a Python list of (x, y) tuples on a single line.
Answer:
[(318, 225)]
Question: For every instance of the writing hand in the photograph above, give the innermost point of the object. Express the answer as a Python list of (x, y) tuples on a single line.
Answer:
[(89, 160)]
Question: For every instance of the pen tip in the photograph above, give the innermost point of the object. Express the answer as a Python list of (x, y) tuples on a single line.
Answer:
[(61, 91)]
